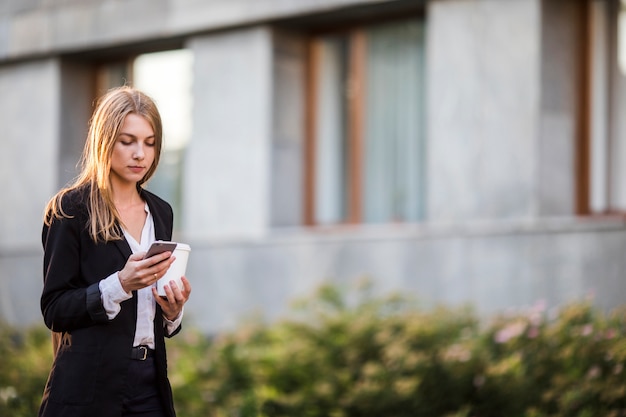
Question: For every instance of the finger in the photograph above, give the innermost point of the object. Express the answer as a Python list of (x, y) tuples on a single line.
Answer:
[(169, 312), (154, 260), (160, 300), (186, 285), (179, 297), (170, 298), (163, 266)]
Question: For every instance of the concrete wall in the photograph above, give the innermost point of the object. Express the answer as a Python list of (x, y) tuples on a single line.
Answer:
[(500, 143), (29, 27), (29, 116), (288, 118), (226, 177), (243, 173), (483, 90), (492, 266)]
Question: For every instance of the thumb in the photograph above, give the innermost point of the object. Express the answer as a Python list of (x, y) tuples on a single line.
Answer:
[(137, 256)]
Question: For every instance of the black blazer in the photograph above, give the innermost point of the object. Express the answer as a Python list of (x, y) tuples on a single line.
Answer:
[(92, 353)]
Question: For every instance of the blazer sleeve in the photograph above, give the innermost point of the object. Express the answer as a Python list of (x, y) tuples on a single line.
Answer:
[(69, 300)]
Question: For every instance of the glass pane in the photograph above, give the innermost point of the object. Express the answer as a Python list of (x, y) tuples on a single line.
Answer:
[(617, 191), (331, 127), (394, 131), (167, 78)]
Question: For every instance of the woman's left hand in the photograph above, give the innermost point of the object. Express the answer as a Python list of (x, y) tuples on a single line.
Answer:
[(174, 300)]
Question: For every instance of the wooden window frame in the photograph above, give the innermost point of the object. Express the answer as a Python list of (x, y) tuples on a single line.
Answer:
[(582, 204), (356, 74), (357, 77), (584, 137), (310, 155), (355, 127)]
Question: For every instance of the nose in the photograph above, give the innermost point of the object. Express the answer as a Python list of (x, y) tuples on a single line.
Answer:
[(139, 152)]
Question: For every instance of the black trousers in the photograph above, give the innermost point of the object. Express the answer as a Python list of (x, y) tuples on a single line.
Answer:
[(141, 397)]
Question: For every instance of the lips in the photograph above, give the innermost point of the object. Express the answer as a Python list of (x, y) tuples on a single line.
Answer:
[(136, 169)]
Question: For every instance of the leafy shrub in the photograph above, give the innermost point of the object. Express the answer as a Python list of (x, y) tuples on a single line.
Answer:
[(351, 355), (25, 358), (388, 358)]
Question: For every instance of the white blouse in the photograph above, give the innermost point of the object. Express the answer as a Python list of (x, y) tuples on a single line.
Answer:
[(113, 293)]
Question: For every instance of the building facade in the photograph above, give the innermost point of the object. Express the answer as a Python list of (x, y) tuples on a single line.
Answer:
[(461, 151)]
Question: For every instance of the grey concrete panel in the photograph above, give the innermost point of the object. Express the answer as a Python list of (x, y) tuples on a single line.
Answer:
[(483, 86), (287, 153), (226, 177), (59, 26), (29, 116), (21, 282), (491, 269), (5, 24), (556, 168)]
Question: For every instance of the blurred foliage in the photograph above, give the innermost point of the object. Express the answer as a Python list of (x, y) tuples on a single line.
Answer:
[(353, 355), (25, 359)]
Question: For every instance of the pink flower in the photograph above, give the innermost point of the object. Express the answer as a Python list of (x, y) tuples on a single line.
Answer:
[(510, 331), (533, 332), (586, 330), (537, 311), (593, 372)]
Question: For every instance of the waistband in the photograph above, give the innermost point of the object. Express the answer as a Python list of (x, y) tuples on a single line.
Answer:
[(141, 353)]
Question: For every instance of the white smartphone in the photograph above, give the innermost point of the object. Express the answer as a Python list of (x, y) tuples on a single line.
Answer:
[(160, 246)]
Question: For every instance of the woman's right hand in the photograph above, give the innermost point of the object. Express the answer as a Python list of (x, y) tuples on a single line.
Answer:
[(139, 273)]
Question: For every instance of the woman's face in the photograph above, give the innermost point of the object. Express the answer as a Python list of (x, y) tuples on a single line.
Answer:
[(133, 151)]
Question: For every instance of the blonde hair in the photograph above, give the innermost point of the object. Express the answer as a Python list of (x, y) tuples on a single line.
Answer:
[(104, 128)]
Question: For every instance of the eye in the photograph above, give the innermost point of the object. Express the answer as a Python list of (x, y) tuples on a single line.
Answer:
[(125, 140), (150, 143)]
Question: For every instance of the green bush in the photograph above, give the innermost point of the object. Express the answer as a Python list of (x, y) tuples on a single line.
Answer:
[(25, 359), (351, 355), (385, 357)]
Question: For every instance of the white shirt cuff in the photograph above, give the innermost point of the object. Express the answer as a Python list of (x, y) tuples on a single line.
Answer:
[(112, 295), (172, 325)]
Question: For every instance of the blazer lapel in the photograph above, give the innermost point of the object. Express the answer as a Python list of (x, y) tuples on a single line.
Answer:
[(123, 247)]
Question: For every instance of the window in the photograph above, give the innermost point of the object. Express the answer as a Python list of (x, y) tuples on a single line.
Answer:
[(166, 77), (365, 132), (607, 130)]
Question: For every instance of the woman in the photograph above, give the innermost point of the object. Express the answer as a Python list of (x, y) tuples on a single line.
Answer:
[(99, 296)]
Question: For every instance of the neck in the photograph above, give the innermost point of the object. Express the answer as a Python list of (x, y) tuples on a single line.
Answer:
[(124, 196)]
